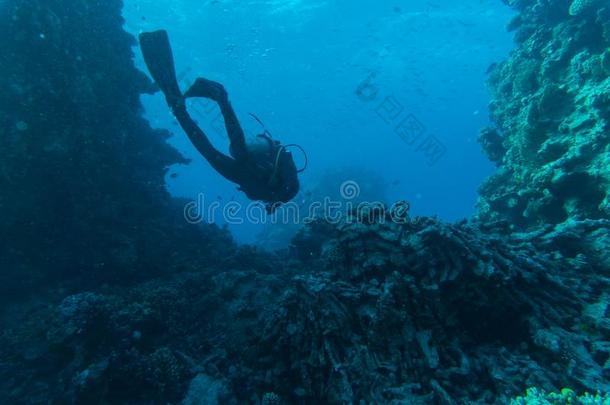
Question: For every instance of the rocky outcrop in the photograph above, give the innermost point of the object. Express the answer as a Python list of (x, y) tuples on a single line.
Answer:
[(551, 106)]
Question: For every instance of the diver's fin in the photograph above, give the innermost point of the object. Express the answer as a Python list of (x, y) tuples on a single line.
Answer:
[(207, 89), (158, 56)]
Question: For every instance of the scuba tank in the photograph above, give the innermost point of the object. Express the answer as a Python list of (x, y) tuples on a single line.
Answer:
[(268, 153), (263, 151)]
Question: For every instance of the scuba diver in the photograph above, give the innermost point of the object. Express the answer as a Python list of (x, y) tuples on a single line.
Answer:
[(264, 169)]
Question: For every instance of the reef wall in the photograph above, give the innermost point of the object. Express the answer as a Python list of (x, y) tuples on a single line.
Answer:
[(551, 108), (82, 190)]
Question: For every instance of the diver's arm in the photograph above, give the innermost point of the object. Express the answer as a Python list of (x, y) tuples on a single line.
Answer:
[(223, 164)]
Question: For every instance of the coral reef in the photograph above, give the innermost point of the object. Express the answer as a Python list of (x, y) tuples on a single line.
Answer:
[(427, 312), (552, 111), (109, 297), (415, 312)]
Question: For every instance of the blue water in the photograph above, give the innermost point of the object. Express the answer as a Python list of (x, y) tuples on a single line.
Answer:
[(298, 65)]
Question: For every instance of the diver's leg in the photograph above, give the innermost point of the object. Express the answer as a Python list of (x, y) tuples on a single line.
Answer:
[(159, 59), (160, 62), (216, 91), (226, 166), (236, 134)]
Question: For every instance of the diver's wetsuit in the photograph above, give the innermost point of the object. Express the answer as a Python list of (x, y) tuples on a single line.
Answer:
[(272, 179)]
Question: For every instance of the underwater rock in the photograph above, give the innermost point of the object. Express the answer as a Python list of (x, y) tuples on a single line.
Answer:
[(491, 142), (203, 390)]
